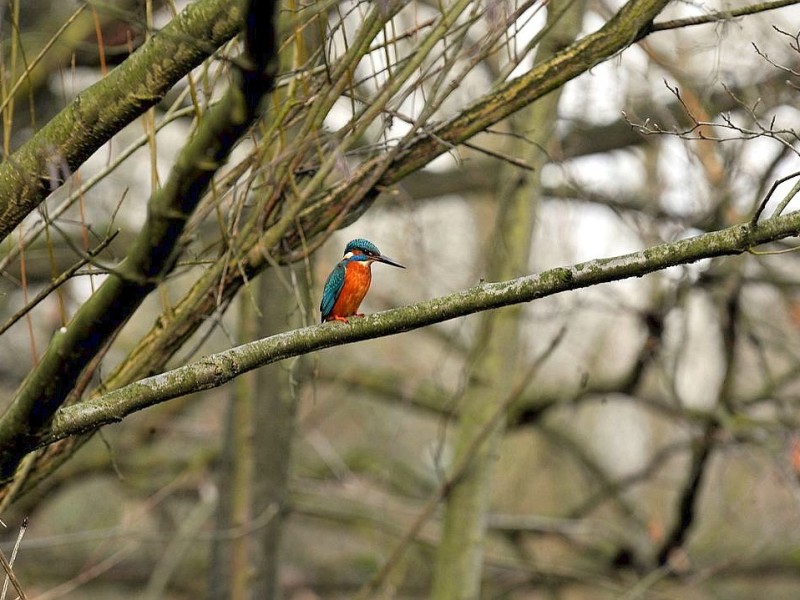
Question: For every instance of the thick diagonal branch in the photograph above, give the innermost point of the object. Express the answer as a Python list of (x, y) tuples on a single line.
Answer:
[(153, 253), (215, 370)]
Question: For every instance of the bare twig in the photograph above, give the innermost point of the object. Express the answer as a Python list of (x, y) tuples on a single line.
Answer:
[(698, 128), (689, 497), (771, 191), (20, 535), (725, 15), (56, 283), (55, 37), (11, 577)]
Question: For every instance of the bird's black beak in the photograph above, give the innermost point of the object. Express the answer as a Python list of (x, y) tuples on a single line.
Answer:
[(388, 261)]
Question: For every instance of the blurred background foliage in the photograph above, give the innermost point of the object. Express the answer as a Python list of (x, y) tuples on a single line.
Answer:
[(634, 440)]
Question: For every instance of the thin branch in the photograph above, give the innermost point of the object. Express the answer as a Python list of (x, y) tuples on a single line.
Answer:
[(11, 577), (512, 160), (787, 199), (687, 505), (768, 195), (55, 37), (23, 528), (723, 15), (56, 283), (697, 129)]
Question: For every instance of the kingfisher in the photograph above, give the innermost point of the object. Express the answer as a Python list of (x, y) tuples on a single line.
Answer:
[(349, 281)]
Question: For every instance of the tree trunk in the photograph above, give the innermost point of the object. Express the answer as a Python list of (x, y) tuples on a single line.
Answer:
[(495, 356)]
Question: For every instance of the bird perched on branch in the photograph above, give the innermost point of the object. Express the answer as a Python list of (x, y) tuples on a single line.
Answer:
[(349, 281)]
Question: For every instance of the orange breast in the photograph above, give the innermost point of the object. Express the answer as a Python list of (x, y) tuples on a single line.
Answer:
[(356, 283)]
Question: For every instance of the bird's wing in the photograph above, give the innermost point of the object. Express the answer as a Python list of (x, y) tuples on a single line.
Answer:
[(333, 287)]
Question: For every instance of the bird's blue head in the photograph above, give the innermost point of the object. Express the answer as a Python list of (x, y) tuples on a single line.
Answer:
[(362, 246), (364, 250)]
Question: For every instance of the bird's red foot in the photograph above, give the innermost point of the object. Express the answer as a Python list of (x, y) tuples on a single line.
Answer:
[(343, 319)]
